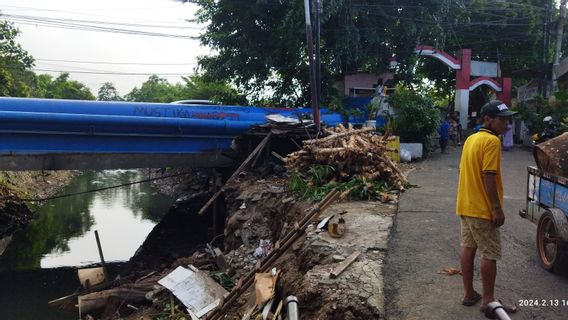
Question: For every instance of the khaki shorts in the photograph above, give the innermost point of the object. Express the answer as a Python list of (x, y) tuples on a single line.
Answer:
[(481, 234)]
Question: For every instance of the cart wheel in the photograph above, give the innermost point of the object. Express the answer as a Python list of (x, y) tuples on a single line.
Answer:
[(550, 239)]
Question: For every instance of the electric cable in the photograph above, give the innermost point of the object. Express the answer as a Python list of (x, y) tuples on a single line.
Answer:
[(120, 63), (116, 73), (50, 19)]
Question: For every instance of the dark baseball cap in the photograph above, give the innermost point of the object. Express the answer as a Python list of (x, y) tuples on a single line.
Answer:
[(496, 108)]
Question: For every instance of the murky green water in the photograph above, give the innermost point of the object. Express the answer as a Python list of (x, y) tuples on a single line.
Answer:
[(63, 235)]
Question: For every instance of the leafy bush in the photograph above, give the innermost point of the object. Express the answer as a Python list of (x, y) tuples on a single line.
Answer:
[(416, 118)]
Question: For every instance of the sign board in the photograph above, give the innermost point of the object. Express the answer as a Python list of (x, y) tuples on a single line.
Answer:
[(485, 69)]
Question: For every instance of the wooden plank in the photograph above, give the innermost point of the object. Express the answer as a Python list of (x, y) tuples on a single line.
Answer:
[(278, 310), (279, 157), (344, 264), (258, 148)]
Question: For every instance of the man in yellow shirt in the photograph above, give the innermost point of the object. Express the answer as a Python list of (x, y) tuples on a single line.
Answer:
[(480, 201)]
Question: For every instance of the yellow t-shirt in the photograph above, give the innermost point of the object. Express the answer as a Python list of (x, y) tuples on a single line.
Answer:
[(481, 154)]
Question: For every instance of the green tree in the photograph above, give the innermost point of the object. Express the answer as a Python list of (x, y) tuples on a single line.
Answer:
[(108, 92), (62, 88), (16, 77), (156, 89), (509, 33), (261, 53), (196, 87)]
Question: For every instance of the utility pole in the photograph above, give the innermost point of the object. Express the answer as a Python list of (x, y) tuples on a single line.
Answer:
[(560, 32), (318, 10), (313, 83), (545, 52)]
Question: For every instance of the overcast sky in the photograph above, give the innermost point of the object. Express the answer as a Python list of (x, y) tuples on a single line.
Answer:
[(164, 47)]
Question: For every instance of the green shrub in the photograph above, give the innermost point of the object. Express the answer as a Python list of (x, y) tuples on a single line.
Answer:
[(416, 117)]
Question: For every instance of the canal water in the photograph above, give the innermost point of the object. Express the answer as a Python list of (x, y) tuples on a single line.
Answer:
[(38, 264)]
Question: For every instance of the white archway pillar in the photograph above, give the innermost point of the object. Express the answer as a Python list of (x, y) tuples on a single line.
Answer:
[(461, 101)]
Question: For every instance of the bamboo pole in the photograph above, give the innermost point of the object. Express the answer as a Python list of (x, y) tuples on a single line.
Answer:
[(256, 150)]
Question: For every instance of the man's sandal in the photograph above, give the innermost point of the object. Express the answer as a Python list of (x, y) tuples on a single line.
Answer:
[(473, 300)]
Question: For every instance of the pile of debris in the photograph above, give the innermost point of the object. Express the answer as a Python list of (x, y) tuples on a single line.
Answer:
[(274, 246), (352, 153)]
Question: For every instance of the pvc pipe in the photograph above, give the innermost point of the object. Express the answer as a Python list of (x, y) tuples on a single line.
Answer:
[(495, 310), (156, 110), (62, 122), (292, 308)]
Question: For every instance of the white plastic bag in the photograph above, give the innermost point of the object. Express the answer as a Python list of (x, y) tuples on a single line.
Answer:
[(405, 155)]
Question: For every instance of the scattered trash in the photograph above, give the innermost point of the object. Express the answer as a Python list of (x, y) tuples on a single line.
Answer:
[(405, 155), (263, 249), (264, 285), (323, 223), (450, 271), (266, 309), (336, 227), (385, 197), (281, 119), (195, 289)]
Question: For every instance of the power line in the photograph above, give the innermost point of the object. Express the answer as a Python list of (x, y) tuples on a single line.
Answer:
[(48, 19), (489, 5), (121, 63), (116, 73), (89, 25), (76, 68), (91, 9), (109, 30), (95, 15)]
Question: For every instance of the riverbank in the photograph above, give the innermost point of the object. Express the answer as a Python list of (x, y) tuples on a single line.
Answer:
[(259, 211), (18, 185)]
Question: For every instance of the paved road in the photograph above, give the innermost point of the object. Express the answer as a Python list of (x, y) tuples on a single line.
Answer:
[(425, 239)]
